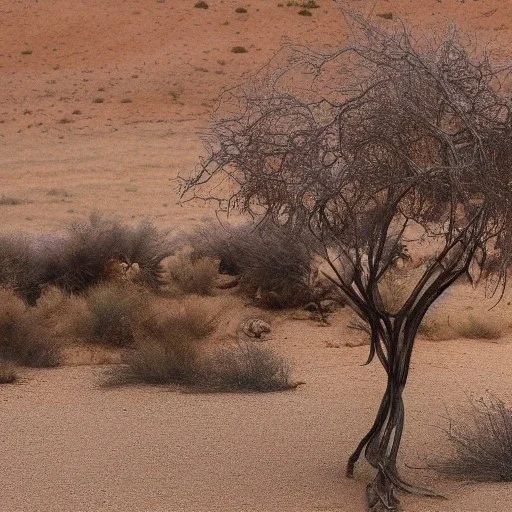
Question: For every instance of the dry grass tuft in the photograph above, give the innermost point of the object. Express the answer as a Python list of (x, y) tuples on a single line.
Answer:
[(61, 313), (483, 446), (477, 328), (22, 337), (247, 367), (435, 328), (192, 319), (173, 361), (168, 347), (116, 312), (10, 201), (195, 276)]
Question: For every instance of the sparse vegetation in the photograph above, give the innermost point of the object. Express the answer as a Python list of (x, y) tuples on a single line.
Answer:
[(247, 366), (436, 329), (115, 312), (168, 348), (26, 52), (58, 192), (310, 4), (8, 374), (478, 328), (482, 447), (193, 275), (241, 10), (201, 5), (126, 100), (239, 49), (23, 340), (98, 100), (275, 264), (10, 201), (304, 12)]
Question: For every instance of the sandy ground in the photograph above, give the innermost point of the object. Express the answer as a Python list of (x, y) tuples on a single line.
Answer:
[(101, 105)]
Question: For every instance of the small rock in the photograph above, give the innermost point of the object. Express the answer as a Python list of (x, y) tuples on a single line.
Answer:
[(255, 327)]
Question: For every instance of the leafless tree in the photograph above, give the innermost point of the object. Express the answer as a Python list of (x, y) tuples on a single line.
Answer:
[(389, 139)]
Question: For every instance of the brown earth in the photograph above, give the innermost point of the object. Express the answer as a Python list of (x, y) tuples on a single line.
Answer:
[(101, 105)]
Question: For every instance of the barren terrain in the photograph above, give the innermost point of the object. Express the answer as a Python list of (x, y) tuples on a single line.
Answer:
[(102, 104)]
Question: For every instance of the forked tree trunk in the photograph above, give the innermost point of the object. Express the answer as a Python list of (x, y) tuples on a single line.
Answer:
[(382, 442)]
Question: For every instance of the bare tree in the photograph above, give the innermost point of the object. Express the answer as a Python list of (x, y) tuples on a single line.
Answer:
[(389, 141)]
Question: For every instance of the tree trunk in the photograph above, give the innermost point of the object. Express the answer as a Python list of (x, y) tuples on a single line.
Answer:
[(382, 442)]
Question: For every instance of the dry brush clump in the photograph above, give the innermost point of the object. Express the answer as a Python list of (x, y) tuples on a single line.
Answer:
[(167, 349), (63, 313), (8, 373), (87, 255), (23, 339), (174, 349), (115, 311), (476, 328), (247, 366), (193, 275), (93, 247), (482, 447), (23, 268), (275, 264)]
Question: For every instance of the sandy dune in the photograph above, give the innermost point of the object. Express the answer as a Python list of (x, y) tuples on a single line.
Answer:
[(101, 106)]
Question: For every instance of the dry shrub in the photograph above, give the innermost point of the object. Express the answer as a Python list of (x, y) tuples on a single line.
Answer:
[(168, 348), (116, 310), (435, 327), (22, 268), (478, 328), (172, 361), (193, 319), (171, 350), (62, 313), (482, 446), (83, 258), (247, 367), (34, 346), (22, 337), (92, 246), (274, 262), (193, 275), (8, 374)]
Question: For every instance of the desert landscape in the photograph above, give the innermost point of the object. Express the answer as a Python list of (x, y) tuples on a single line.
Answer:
[(102, 106)]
